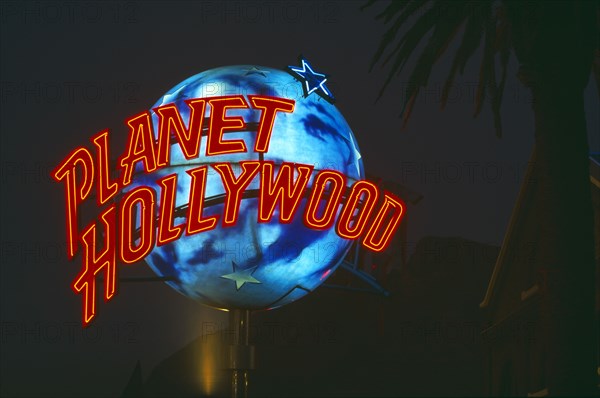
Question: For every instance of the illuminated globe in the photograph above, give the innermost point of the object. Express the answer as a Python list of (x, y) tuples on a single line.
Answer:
[(254, 265)]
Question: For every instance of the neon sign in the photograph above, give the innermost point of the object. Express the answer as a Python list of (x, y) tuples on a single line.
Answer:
[(134, 221)]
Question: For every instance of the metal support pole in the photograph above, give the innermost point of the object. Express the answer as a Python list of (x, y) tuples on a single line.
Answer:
[(241, 353)]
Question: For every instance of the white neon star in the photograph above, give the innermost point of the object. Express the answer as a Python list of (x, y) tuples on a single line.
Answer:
[(310, 76)]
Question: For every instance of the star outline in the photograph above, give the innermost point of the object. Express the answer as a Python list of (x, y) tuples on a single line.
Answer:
[(246, 276), (305, 73)]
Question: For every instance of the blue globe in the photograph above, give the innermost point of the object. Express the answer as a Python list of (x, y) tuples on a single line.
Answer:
[(255, 265)]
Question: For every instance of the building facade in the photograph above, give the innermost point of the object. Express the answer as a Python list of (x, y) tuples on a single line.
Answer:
[(516, 343)]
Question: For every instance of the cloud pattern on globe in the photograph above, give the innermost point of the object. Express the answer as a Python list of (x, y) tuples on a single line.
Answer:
[(255, 265)]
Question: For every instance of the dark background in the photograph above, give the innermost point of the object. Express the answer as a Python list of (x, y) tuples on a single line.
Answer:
[(72, 69)]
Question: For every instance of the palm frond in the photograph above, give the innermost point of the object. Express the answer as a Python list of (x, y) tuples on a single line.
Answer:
[(393, 8), (486, 72), (407, 45), (367, 4), (444, 32), (479, 22), (407, 9), (503, 48), (470, 42)]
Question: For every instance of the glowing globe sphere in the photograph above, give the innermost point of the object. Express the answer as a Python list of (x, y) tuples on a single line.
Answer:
[(254, 265)]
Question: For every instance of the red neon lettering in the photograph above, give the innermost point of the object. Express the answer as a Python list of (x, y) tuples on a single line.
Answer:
[(75, 191), (391, 225), (146, 198), (269, 106), (234, 187), (138, 206), (337, 183), (195, 222), (219, 123), (170, 120), (167, 232), (358, 220), (94, 262), (106, 188), (140, 147), (281, 189)]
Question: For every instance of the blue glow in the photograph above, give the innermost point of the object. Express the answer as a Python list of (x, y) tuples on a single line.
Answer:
[(221, 267)]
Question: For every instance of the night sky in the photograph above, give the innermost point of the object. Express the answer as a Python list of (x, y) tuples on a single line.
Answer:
[(70, 70)]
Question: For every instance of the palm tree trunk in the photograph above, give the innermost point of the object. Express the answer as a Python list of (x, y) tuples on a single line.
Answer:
[(554, 42), (566, 239)]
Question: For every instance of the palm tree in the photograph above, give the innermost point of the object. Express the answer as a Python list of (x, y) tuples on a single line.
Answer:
[(554, 43)]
